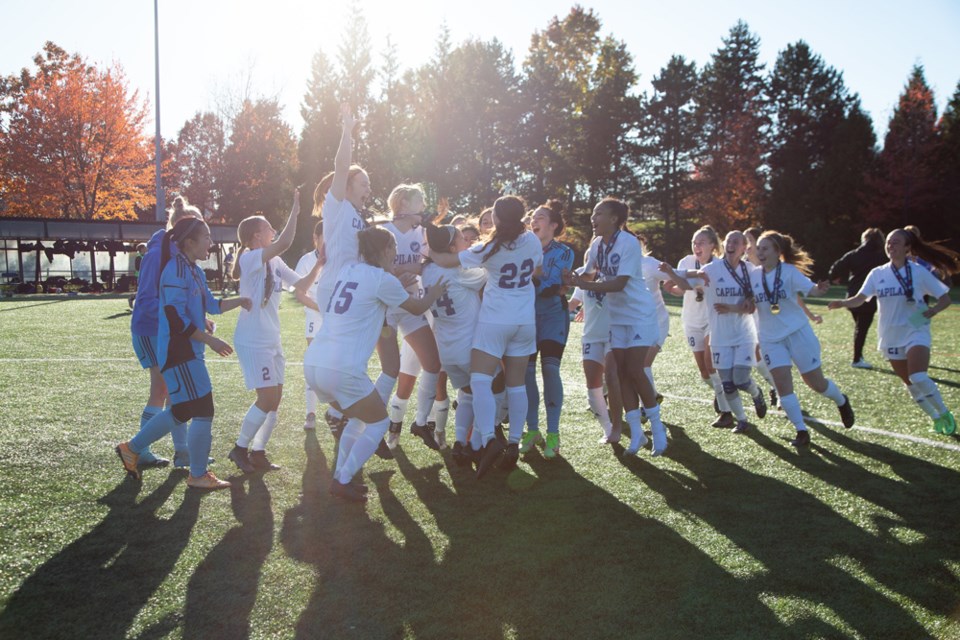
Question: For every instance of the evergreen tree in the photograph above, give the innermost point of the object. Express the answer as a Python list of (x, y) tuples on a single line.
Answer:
[(948, 164)]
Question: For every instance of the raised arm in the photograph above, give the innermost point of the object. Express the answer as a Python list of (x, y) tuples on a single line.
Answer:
[(285, 239), (341, 164), (417, 306)]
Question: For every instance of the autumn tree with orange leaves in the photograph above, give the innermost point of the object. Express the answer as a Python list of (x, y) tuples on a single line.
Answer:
[(72, 142)]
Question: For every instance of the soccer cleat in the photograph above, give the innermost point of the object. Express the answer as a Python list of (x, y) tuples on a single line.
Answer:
[(207, 482), (393, 434), (491, 453), (641, 441), (498, 433), (742, 426), (508, 461), (348, 492), (148, 460), (659, 433), (938, 424), (760, 405), (949, 424), (310, 423), (846, 412), (425, 433), (774, 402), (440, 437), (529, 440), (861, 364), (552, 447), (384, 452), (659, 398), (608, 439), (260, 461), (336, 424), (238, 455), (725, 421), (460, 454), (129, 459), (802, 439)]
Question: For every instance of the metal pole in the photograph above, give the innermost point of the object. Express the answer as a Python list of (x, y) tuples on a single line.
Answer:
[(161, 204)]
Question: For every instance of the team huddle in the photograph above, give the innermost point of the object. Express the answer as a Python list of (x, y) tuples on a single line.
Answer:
[(476, 307)]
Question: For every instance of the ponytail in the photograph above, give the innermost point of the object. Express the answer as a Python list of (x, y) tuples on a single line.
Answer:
[(320, 193), (185, 229), (554, 208), (790, 251), (180, 210), (945, 260), (508, 212), (245, 232)]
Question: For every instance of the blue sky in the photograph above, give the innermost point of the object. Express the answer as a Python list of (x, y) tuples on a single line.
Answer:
[(211, 49)]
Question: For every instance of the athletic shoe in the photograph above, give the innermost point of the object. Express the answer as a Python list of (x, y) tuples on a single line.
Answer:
[(760, 405), (938, 423), (336, 424), (310, 423), (846, 412), (498, 433), (659, 398), (641, 443), (359, 484), (802, 439), (181, 459), (425, 433), (347, 492), (861, 364), (260, 461), (725, 421), (742, 426), (774, 401), (393, 434), (129, 459), (508, 461), (460, 454), (239, 457), (440, 437), (148, 460), (949, 423), (491, 453), (659, 433), (529, 440), (552, 447), (384, 452), (207, 482), (608, 440)]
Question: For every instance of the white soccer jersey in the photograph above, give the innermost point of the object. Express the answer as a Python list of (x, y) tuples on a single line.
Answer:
[(652, 276), (728, 329), (455, 313), (510, 295), (893, 305), (776, 327), (260, 326), (304, 266), (411, 249), (693, 314), (634, 304), (353, 318), (341, 223), (596, 319)]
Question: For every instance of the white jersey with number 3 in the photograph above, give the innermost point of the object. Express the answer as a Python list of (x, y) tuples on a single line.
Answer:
[(510, 295)]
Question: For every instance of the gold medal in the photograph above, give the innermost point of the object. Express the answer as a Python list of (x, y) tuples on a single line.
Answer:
[(774, 309)]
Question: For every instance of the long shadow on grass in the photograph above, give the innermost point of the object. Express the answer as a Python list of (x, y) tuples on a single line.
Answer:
[(799, 540), (940, 381), (545, 554), (223, 589), (913, 545), (104, 578)]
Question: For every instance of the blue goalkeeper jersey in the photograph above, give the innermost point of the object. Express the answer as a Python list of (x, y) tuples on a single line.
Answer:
[(557, 258), (185, 300)]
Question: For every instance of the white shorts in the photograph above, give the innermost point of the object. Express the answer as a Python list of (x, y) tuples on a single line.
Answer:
[(405, 322), (409, 363), (261, 366), (629, 336), (596, 351), (741, 355), (500, 340), (314, 320), (336, 386), (801, 347), (696, 337), (458, 375), (915, 339)]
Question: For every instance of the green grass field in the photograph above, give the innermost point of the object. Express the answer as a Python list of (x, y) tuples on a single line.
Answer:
[(726, 537)]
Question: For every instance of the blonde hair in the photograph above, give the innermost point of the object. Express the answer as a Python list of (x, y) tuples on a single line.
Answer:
[(790, 251), (181, 209), (247, 228), (320, 193), (712, 236), (401, 194)]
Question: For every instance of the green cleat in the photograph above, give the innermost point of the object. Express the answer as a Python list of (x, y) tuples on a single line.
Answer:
[(529, 439), (949, 424), (552, 447)]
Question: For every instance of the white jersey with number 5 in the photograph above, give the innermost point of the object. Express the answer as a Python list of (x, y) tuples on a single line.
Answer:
[(455, 313), (353, 318), (510, 295), (304, 266)]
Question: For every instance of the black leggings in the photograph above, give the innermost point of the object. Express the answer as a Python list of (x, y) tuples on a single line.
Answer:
[(862, 319)]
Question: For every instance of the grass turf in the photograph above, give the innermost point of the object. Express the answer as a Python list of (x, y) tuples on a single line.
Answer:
[(727, 536)]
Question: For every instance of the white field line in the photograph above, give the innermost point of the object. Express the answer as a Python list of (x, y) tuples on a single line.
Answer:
[(891, 434)]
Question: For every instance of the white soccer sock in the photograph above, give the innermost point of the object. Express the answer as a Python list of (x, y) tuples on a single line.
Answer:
[(384, 386), (922, 401), (348, 438), (833, 393), (649, 372), (736, 405), (517, 407), (263, 433), (426, 394), (637, 437), (463, 417), (599, 408), (929, 390), (791, 407), (397, 408), (250, 425), (333, 413), (765, 372), (658, 430), (311, 401), (362, 449), (502, 410), (484, 405), (717, 385), (441, 414), (752, 388)]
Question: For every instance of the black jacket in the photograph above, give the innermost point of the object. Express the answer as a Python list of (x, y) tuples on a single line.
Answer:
[(856, 265)]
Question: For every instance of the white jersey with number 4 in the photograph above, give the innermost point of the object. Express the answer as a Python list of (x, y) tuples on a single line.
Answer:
[(510, 295), (455, 313), (260, 326), (353, 318)]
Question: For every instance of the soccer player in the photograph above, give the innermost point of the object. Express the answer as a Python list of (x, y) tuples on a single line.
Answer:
[(900, 287), (313, 317), (185, 301), (335, 364)]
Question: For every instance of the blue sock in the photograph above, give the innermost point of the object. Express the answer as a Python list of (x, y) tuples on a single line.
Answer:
[(179, 436), (552, 392), (148, 413), (533, 398), (157, 427), (199, 439)]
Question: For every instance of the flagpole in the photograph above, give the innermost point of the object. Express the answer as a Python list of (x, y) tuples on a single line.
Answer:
[(161, 204)]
